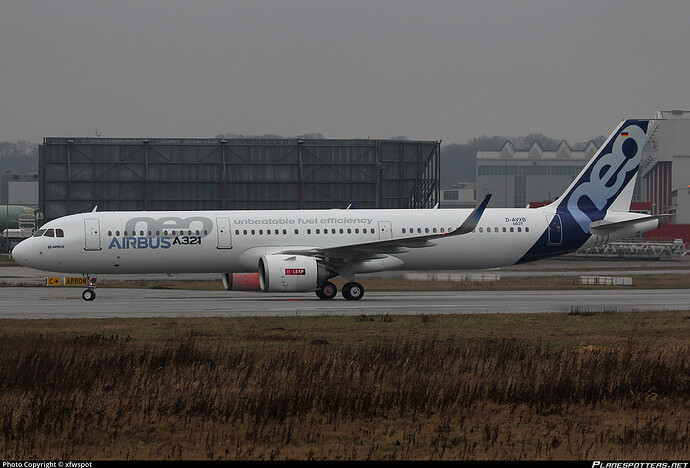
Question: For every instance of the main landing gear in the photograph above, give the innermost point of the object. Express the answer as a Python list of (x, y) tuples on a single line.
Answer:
[(351, 291), (327, 290), (89, 293)]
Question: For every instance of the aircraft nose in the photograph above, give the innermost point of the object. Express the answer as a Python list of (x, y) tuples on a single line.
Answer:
[(21, 253)]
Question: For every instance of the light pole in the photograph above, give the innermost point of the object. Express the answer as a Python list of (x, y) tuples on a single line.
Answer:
[(7, 211)]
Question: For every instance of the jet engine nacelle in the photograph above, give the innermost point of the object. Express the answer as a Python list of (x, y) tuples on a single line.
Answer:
[(241, 281), (290, 273)]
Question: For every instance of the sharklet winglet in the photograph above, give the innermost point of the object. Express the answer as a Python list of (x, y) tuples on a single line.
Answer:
[(473, 219)]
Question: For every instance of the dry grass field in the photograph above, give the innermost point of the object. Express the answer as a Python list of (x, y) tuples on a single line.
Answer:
[(608, 385)]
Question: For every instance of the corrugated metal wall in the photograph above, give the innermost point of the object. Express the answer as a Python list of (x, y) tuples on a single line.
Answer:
[(208, 174)]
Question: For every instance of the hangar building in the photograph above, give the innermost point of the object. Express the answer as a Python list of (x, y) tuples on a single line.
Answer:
[(75, 174), (665, 165), (517, 177)]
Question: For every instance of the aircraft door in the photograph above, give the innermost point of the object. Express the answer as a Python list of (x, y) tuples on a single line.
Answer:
[(224, 233), (385, 230), (92, 235), (555, 231)]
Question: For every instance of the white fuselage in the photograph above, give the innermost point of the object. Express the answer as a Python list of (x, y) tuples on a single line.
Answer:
[(233, 241)]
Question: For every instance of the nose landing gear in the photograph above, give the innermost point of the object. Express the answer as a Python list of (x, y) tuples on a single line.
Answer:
[(89, 293)]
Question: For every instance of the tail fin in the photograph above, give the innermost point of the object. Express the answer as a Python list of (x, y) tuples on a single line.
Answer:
[(608, 180), (605, 184)]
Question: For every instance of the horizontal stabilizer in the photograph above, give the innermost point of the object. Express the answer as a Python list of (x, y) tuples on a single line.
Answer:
[(603, 228)]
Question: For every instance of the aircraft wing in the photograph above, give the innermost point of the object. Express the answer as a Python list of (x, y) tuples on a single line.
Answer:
[(366, 250)]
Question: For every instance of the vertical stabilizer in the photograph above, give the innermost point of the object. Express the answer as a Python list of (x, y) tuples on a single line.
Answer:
[(605, 184)]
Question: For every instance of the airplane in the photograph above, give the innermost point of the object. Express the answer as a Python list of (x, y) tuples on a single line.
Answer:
[(11, 216), (301, 250)]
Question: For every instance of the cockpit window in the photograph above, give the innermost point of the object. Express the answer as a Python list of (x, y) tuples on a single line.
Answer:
[(50, 233)]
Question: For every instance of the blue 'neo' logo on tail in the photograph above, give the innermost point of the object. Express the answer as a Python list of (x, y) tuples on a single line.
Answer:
[(607, 176), (595, 189)]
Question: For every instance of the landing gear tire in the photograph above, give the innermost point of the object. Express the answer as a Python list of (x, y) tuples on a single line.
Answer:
[(327, 290), (353, 291), (88, 295)]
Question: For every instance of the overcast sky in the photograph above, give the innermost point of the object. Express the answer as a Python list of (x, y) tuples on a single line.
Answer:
[(429, 70)]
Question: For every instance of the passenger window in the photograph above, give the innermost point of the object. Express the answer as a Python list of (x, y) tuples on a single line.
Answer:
[(481, 229), (318, 231), (110, 233), (268, 232), (117, 233), (237, 232), (443, 230), (349, 231), (504, 229), (496, 229), (308, 231), (512, 229), (253, 232), (434, 230), (141, 233), (426, 230), (341, 231), (419, 230), (519, 229), (526, 229), (296, 231), (403, 230), (356, 230)]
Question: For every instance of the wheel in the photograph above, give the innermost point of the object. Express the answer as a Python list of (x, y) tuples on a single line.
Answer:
[(353, 291), (327, 290), (88, 295)]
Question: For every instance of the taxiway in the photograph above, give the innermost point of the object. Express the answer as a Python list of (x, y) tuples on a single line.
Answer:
[(41, 303)]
